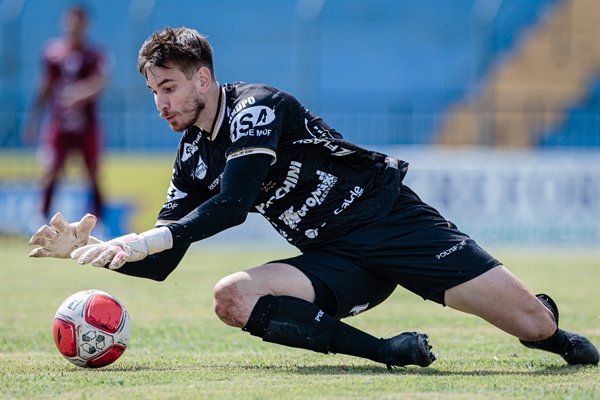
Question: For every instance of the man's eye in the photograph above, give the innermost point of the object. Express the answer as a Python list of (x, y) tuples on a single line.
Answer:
[(169, 89)]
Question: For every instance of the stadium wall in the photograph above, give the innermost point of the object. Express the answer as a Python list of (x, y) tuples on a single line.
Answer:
[(497, 197)]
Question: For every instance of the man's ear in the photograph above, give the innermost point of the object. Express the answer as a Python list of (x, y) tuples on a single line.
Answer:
[(203, 79)]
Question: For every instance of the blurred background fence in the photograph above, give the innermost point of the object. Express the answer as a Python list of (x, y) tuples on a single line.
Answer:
[(496, 103)]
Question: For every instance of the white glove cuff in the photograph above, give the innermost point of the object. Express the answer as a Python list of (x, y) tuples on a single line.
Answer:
[(158, 239)]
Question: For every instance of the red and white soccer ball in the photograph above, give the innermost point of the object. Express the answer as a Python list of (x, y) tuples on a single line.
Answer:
[(91, 329)]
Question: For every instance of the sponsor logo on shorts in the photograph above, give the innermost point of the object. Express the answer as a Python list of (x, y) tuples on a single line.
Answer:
[(451, 250), (319, 315)]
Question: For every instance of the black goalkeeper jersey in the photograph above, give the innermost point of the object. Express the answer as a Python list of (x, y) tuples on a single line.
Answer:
[(318, 187)]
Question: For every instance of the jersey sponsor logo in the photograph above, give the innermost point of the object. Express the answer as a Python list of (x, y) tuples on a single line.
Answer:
[(291, 180), (311, 233), (319, 131), (336, 150), (200, 170), (241, 104), (354, 194), (248, 122), (169, 206), (174, 194), (292, 218), (451, 250), (188, 150), (268, 186), (215, 183)]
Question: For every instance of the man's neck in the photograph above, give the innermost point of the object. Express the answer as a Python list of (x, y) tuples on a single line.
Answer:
[(211, 105)]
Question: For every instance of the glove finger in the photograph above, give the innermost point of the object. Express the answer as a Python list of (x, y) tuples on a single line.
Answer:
[(44, 233), (119, 260), (86, 254), (77, 253), (59, 223), (40, 252), (38, 241), (85, 226), (106, 256)]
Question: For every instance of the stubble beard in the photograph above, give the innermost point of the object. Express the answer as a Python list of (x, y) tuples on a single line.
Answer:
[(191, 111)]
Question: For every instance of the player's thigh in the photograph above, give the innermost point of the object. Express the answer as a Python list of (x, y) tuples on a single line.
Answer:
[(277, 279), (502, 299), (236, 295)]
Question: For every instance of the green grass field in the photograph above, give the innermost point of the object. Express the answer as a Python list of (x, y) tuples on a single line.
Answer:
[(180, 350)]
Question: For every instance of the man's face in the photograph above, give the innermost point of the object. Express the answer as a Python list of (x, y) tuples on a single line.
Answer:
[(176, 97)]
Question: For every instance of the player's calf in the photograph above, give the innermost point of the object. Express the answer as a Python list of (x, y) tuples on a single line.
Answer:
[(574, 348)]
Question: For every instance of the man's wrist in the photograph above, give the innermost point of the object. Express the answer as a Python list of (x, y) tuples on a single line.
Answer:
[(158, 239)]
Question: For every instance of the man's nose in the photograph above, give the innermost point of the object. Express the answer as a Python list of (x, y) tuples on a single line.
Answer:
[(161, 102)]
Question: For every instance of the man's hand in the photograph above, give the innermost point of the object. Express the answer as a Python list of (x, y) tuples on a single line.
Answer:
[(128, 248), (60, 238)]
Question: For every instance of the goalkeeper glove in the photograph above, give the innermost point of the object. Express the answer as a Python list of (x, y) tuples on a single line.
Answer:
[(60, 238), (128, 248)]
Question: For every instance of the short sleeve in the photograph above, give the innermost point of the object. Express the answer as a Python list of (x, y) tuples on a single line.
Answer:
[(256, 123)]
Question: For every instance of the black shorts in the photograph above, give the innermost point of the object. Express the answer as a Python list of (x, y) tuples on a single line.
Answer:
[(414, 247)]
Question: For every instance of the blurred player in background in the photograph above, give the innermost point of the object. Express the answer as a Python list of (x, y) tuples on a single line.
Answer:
[(73, 78), (361, 231)]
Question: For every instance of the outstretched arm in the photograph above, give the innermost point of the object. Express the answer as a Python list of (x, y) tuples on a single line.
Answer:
[(242, 180), (240, 185)]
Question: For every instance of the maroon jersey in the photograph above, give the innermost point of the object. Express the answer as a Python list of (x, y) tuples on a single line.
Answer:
[(66, 66)]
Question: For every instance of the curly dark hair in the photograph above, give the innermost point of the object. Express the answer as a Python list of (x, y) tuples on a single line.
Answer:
[(181, 48)]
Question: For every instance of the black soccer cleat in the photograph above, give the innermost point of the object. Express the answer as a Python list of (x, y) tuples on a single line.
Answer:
[(574, 348), (408, 348)]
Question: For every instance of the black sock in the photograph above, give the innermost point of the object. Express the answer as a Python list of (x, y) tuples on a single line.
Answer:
[(293, 322), (354, 342)]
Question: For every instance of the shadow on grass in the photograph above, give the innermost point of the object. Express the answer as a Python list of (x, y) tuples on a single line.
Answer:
[(524, 370), (540, 370)]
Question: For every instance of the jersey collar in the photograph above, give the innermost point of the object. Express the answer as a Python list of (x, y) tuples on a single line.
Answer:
[(219, 117)]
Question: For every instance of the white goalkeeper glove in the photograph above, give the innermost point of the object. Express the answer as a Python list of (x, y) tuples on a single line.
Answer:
[(60, 238), (128, 248)]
